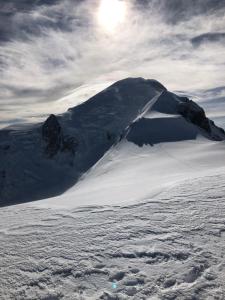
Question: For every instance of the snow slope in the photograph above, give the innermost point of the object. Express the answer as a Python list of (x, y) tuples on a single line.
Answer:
[(166, 247), (128, 173)]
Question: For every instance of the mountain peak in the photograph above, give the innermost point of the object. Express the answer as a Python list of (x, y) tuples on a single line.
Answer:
[(46, 160)]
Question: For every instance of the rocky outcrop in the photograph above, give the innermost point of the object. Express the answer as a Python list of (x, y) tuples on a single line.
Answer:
[(172, 104), (52, 135), (193, 113), (54, 138)]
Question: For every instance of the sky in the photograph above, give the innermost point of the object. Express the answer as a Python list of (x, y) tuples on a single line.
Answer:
[(55, 54)]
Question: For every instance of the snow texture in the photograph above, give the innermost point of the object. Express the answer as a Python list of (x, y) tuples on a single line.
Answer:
[(167, 247)]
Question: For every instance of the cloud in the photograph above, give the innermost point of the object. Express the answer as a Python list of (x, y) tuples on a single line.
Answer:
[(175, 11), (210, 37), (49, 48), (12, 6)]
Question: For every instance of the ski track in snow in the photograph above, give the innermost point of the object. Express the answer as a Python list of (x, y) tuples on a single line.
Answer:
[(167, 247)]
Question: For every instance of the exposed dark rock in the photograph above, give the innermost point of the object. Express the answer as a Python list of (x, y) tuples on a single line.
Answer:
[(169, 103), (69, 144), (195, 114), (52, 134), (222, 130)]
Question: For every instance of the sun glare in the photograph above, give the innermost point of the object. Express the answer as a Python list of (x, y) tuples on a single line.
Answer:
[(111, 14)]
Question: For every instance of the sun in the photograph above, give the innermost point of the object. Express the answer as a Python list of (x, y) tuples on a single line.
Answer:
[(111, 14)]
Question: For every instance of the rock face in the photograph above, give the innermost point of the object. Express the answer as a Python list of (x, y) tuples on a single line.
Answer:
[(52, 135), (172, 104), (54, 138), (195, 114)]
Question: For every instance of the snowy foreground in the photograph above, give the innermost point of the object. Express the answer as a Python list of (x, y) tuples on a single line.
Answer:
[(167, 247)]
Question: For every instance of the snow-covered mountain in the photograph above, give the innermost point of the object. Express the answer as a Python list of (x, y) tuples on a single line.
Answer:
[(44, 160)]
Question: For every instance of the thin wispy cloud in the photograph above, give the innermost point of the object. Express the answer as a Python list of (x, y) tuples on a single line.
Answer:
[(50, 48)]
